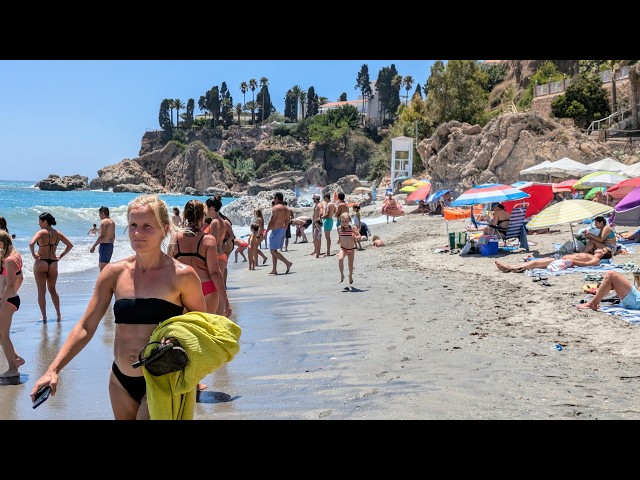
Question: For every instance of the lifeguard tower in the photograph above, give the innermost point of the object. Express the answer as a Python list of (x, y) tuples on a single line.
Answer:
[(401, 159)]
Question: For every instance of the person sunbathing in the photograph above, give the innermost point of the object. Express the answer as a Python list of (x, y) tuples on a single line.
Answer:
[(628, 293), (580, 259)]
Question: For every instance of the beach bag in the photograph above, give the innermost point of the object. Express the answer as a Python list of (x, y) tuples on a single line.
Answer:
[(166, 358)]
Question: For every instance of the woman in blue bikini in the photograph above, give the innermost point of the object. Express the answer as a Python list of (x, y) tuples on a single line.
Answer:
[(606, 239), (149, 287)]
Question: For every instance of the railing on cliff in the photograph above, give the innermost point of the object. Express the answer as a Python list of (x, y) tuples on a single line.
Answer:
[(614, 118), (561, 85)]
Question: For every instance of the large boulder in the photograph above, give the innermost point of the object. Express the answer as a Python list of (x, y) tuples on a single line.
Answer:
[(63, 184), (126, 173)]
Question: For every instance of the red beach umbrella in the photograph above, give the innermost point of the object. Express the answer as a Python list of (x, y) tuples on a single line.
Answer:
[(420, 194), (620, 189)]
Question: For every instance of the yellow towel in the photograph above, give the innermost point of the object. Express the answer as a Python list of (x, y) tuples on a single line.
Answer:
[(210, 341)]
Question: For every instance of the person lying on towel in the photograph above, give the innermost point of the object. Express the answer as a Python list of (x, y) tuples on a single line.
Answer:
[(581, 259)]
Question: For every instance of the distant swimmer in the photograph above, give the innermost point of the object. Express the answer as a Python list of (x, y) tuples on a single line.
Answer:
[(93, 230)]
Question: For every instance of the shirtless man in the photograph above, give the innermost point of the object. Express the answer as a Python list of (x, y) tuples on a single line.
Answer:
[(302, 223), (278, 223), (581, 259), (341, 207), (329, 210), (105, 239), (318, 212)]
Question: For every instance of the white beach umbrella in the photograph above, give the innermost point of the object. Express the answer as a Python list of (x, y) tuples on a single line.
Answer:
[(632, 170), (565, 167), (608, 164), (536, 169), (599, 179)]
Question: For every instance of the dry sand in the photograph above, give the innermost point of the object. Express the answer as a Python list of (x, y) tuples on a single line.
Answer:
[(421, 335)]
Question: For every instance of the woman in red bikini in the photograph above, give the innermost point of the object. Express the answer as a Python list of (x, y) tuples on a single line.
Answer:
[(10, 282), (347, 238)]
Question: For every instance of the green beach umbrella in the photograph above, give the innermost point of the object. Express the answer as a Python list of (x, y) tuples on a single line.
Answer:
[(592, 193)]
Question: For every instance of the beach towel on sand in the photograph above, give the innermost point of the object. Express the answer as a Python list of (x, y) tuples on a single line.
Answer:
[(210, 341)]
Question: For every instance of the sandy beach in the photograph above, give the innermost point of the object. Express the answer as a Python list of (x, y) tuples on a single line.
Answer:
[(421, 335)]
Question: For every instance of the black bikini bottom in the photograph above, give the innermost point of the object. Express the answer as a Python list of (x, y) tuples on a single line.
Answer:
[(136, 387)]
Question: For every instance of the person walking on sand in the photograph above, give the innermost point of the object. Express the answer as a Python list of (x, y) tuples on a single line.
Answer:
[(11, 279), (356, 220), (149, 287), (347, 238), (318, 213), (625, 290), (105, 239), (254, 245), (45, 266), (277, 226), (329, 209), (391, 208), (317, 237)]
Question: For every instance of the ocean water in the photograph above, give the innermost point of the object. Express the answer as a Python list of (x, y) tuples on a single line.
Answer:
[(75, 213)]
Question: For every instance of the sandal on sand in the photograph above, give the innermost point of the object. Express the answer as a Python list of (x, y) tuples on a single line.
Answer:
[(539, 278), (545, 283), (593, 278)]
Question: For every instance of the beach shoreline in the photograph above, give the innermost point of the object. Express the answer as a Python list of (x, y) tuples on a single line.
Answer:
[(421, 335)]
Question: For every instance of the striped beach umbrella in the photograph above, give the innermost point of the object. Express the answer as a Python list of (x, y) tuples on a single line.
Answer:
[(599, 179), (568, 211), (489, 193)]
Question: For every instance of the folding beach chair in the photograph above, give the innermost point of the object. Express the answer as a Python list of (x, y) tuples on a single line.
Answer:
[(516, 228)]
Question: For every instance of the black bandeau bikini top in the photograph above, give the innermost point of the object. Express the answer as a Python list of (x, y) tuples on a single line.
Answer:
[(151, 311)]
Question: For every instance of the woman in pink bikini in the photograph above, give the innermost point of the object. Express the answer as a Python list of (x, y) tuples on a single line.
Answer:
[(347, 238), (10, 282), (191, 246)]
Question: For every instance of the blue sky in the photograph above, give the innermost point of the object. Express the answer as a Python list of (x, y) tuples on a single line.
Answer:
[(69, 117)]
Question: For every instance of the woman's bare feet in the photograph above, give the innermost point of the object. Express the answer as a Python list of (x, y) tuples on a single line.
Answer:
[(202, 386), (593, 306), (19, 361), (350, 278), (502, 267)]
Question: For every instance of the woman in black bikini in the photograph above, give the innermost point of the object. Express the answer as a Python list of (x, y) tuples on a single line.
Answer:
[(499, 220), (45, 267), (10, 281), (149, 287)]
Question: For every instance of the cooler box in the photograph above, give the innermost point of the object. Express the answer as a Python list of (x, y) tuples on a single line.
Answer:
[(489, 248)]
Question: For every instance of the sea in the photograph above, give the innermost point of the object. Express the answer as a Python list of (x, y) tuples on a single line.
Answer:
[(75, 212)]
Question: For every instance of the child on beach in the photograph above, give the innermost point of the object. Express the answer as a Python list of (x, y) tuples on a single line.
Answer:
[(241, 246), (254, 245), (347, 238), (357, 224), (376, 241), (317, 237)]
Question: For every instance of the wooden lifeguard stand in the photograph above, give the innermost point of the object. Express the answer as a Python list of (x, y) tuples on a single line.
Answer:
[(401, 159)]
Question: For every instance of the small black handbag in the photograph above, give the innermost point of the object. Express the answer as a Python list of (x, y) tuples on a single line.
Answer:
[(166, 358)]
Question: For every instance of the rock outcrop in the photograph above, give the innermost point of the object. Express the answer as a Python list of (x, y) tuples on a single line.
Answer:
[(459, 154), (126, 176), (63, 184)]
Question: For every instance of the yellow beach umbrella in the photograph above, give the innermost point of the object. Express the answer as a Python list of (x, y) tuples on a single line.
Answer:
[(600, 178), (410, 181), (408, 189)]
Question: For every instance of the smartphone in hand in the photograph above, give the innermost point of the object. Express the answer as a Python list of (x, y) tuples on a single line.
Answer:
[(41, 396)]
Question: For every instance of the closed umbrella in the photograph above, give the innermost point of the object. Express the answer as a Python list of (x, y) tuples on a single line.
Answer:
[(568, 211)]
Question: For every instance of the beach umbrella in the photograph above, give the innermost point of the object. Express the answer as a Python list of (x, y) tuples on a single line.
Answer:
[(564, 186), (632, 170), (489, 193), (434, 197), (592, 193), (420, 194), (409, 181), (627, 211), (621, 189), (566, 167), (540, 195), (359, 190), (567, 211), (608, 164), (536, 169), (599, 179), (408, 189)]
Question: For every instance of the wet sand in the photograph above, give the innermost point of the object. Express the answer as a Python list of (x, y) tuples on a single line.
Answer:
[(420, 335)]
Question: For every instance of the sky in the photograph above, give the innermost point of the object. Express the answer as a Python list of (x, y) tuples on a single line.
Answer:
[(68, 117)]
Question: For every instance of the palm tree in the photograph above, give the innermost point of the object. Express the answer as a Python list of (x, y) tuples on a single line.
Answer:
[(264, 81), (303, 101), (251, 106), (244, 88), (408, 83), (295, 93), (178, 104), (238, 111), (253, 85)]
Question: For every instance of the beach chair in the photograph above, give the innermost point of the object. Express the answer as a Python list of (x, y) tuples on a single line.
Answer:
[(516, 228)]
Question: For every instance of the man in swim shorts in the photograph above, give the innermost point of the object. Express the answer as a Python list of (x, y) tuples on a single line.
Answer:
[(327, 220), (105, 239), (629, 294), (278, 223)]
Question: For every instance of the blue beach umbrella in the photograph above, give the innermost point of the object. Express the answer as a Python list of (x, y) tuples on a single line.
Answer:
[(489, 193), (434, 197)]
